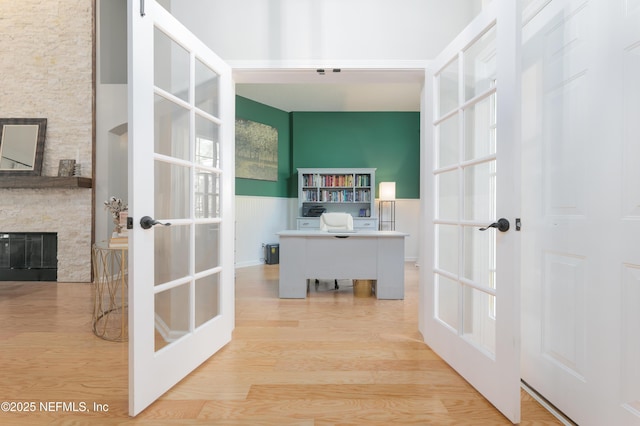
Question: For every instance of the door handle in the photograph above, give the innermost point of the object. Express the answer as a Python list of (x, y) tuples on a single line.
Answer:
[(502, 225), (147, 222)]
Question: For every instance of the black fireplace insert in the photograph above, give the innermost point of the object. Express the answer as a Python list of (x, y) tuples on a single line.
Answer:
[(28, 256)]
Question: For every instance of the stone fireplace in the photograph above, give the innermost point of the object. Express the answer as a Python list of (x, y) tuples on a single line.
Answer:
[(50, 74), (65, 212)]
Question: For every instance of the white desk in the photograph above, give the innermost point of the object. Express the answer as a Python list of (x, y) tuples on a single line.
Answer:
[(365, 255)]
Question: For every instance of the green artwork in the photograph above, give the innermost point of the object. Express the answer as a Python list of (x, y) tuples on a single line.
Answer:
[(256, 150)]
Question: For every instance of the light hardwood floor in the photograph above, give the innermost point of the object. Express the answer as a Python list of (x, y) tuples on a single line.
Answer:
[(330, 359)]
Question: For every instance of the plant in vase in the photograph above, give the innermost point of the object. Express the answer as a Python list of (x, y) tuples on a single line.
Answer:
[(115, 207)]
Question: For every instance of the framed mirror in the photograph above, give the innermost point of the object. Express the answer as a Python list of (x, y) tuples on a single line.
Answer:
[(22, 145)]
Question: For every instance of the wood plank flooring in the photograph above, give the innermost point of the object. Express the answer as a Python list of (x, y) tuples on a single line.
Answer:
[(330, 359)]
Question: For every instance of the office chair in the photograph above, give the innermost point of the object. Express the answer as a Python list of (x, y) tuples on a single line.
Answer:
[(338, 222)]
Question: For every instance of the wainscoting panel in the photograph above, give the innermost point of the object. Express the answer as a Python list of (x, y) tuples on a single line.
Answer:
[(630, 349), (563, 310), (258, 219)]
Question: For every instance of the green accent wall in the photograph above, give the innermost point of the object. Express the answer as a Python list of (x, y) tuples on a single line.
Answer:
[(387, 141), (254, 111)]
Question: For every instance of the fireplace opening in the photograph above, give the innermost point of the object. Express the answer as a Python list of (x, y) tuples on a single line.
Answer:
[(28, 256)]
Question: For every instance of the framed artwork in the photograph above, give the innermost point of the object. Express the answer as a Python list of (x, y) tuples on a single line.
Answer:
[(256, 150), (22, 145)]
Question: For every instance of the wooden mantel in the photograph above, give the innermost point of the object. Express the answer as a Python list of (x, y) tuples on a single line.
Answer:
[(34, 182)]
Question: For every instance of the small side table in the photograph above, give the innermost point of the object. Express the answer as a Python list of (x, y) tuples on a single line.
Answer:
[(110, 307)]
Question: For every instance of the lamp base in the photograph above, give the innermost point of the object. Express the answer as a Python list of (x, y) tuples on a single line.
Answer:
[(388, 224)]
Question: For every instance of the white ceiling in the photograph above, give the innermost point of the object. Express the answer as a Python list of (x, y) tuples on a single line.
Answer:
[(347, 90)]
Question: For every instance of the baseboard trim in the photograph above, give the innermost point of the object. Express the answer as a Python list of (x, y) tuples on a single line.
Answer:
[(249, 263), (547, 405)]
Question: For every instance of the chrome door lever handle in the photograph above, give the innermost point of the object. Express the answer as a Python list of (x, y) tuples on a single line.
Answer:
[(147, 222), (502, 225)]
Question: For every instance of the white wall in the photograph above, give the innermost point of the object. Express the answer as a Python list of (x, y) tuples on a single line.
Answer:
[(300, 30), (111, 111), (111, 152), (354, 30)]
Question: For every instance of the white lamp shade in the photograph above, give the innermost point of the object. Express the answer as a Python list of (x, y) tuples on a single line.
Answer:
[(387, 190)]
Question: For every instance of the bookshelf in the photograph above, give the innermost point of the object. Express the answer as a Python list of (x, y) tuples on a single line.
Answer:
[(337, 190)]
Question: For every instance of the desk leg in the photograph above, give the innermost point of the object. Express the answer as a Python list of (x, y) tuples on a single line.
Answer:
[(390, 283), (293, 256)]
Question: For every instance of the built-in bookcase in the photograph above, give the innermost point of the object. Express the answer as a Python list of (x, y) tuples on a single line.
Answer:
[(337, 190)]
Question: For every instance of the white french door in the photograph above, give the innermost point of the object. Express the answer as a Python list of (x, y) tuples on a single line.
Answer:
[(181, 171), (581, 243), (470, 283)]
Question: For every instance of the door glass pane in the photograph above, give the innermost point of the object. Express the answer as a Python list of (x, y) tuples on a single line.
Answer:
[(207, 194), (447, 296), (207, 298), (171, 66), (207, 143), (171, 315), (479, 319), (480, 192), (171, 244), (172, 197), (206, 89), (448, 88), (480, 65), (448, 193), (207, 246), (447, 248), (171, 129), (448, 141), (480, 256), (480, 129)]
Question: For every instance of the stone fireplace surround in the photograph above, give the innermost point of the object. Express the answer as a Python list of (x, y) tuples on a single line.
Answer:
[(65, 211), (48, 72)]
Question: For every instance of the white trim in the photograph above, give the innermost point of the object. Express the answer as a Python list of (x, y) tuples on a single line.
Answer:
[(378, 65), (547, 406)]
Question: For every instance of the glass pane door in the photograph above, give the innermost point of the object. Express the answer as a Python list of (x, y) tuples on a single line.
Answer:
[(182, 157), (472, 286)]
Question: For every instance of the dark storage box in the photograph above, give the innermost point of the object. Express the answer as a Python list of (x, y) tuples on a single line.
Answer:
[(272, 254)]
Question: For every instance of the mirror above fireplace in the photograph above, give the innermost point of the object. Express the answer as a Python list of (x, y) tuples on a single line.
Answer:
[(22, 146)]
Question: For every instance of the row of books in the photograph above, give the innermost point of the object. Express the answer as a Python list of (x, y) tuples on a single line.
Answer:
[(363, 180), (309, 195), (335, 180), (336, 196), (327, 180), (363, 195), (344, 195)]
